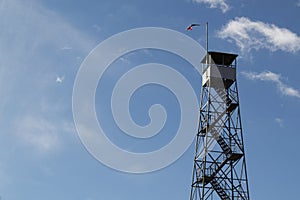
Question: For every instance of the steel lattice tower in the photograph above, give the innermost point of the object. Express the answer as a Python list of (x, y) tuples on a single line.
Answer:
[(219, 164)]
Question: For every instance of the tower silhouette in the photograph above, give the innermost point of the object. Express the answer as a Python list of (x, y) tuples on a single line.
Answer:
[(219, 164)]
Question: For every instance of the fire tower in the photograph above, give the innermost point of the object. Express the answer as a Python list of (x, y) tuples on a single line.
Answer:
[(219, 165)]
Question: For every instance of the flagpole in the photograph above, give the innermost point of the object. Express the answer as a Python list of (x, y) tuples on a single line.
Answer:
[(205, 147), (206, 45), (206, 37)]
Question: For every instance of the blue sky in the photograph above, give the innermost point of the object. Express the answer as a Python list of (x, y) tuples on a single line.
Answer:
[(42, 45)]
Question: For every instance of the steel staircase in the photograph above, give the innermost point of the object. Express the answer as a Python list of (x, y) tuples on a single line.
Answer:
[(224, 146), (216, 166), (220, 191)]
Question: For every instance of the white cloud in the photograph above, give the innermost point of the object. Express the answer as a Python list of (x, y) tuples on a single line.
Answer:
[(275, 78), (263, 76), (32, 38), (42, 134), (97, 28), (249, 35), (221, 4), (66, 48), (125, 60), (39, 133), (298, 3), (59, 79), (288, 91), (37, 32), (41, 27), (279, 121)]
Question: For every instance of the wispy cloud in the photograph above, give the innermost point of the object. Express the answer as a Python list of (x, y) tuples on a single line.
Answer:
[(263, 76), (42, 134), (38, 32), (66, 48), (298, 3), (28, 72), (97, 27), (39, 133), (249, 35), (221, 4), (279, 121), (275, 78), (59, 79)]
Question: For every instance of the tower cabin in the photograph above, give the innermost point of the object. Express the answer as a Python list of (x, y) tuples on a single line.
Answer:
[(218, 69)]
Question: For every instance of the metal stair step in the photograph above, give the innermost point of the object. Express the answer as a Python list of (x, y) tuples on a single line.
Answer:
[(220, 191), (224, 146)]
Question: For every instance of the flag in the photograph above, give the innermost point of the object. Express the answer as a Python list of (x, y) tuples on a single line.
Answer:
[(189, 28)]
